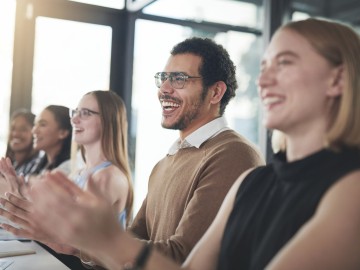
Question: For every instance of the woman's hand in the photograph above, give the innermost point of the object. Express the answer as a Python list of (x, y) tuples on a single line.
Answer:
[(86, 218), (63, 248), (9, 181), (19, 211)]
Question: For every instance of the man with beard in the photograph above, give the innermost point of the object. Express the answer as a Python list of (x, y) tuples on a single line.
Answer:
[(187, 187)]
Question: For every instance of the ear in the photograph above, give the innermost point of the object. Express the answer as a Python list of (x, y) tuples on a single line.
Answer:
[(337, 82), (63, 134), (217, 92)]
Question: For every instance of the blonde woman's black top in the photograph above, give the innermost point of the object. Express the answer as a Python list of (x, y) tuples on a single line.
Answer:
[(275, 201)]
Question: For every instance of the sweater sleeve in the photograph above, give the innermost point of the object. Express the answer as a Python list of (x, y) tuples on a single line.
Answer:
[(138, 226)]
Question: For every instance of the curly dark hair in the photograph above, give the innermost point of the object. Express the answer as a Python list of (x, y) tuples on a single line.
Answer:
[(216, 65)]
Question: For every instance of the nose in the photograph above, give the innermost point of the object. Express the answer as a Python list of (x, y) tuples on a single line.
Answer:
[(266, 77), (166, 87), (75, 118), (14, 132), (34, 129)]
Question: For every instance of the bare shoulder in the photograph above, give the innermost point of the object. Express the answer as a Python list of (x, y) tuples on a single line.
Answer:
[(110, 177), (343, 197), (330, 239)]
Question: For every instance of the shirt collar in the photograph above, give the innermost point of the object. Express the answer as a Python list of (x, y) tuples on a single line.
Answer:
[(199, 136)]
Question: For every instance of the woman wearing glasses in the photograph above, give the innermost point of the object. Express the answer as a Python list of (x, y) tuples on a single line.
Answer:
[(100, 128)]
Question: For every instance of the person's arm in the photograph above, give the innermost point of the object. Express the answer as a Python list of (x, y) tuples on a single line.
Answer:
[(90, 224), (112, 184), (331, 239), (206, 252), (138, 226)]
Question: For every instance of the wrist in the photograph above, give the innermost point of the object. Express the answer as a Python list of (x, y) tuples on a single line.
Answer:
[(141, 258), (120, 252)]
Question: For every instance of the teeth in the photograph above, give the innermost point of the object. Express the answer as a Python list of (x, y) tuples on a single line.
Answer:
[(15, 140), (169, 104), (271, 100)]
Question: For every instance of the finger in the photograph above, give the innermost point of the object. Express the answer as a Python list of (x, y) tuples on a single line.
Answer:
[(2, 161), (24, 191), (19, 202), (13, 218), (20, 232), (15, 214), (9, 163), (66, 184), (6, 167), (48, 195)]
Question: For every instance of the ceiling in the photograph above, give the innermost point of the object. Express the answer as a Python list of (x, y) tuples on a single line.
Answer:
[(343, 10)]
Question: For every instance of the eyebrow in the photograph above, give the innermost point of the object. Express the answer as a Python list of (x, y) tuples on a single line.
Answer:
[(280, 54), (41, 121), (287, 53), (86, 108)]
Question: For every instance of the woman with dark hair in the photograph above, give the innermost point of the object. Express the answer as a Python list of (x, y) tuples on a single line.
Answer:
[(20, 148), (52, 135)]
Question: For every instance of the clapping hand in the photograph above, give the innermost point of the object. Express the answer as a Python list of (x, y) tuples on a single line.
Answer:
[(9, 180)]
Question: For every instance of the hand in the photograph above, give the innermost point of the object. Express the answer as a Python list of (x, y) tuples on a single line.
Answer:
[(86, 218), (19, 211), (63, 248), (10, 182)]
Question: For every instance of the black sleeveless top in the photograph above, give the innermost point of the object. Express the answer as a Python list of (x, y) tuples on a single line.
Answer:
[(274, 201)]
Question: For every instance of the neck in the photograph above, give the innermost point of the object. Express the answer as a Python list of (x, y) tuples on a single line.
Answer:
[(52, 153), (20, 157), (298, 147), (94, 156), (194, 126)]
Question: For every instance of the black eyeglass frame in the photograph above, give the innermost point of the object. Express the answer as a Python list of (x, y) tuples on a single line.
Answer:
[(161, 77)]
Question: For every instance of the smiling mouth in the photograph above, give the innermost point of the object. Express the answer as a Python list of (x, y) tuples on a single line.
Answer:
[(169, 105), (15, 140), (78, 130), (269, 102)]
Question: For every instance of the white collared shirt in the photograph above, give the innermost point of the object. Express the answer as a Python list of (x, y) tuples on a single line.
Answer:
[(199, 136)]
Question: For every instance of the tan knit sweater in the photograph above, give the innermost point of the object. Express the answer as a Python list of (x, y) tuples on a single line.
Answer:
[(186, 190)]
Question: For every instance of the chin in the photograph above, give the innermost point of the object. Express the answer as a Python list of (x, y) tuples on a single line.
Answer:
[(167, 126), (271, 123)]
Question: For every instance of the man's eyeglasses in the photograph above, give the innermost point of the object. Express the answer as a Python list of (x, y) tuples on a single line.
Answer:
[(177, 79), (82, 113)]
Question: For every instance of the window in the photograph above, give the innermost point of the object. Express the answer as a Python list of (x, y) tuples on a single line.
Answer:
[(7, 27), (70, 59)]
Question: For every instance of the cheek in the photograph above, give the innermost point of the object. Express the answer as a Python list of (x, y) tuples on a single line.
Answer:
[(94, 131), (29, 137)]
